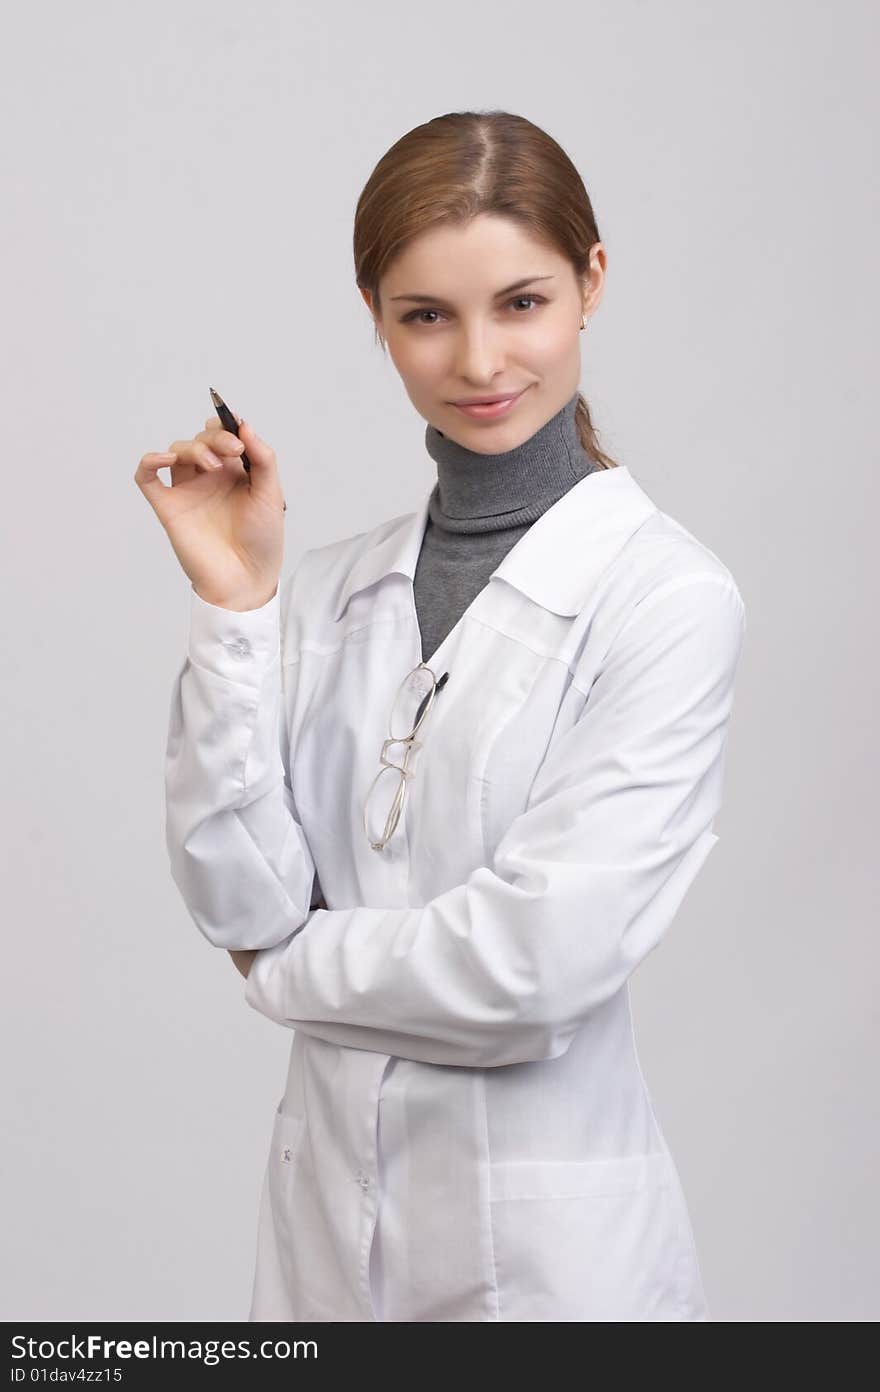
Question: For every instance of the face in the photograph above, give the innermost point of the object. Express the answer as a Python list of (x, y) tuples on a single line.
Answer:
[(456, 329)]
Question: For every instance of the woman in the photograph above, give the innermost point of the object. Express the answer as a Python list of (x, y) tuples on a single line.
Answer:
[(441, 791)]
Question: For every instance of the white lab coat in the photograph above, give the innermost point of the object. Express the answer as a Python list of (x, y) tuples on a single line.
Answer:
[(465, 1132)]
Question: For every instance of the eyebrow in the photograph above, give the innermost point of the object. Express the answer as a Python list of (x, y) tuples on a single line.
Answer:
[(436, 299)]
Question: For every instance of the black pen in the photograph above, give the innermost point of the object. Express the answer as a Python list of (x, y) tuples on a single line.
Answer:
[(228, 421), (439, 685)]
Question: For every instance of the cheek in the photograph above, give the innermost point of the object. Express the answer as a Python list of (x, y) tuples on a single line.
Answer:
[(553, 345), (417, 359), (419, 376)]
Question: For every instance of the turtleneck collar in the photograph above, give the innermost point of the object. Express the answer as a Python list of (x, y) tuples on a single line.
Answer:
[(487, 492)]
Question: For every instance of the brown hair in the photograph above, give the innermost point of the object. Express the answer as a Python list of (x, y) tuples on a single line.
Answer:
[(455, 167)]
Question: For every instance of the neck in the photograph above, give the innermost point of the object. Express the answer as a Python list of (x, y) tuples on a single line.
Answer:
[(486, 492)]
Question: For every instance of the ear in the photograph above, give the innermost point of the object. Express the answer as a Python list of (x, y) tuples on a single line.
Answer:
[(594, 281), (368, 301)]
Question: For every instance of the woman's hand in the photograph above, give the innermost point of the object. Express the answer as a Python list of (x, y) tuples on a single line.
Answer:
[(226, 526), (243, 958)]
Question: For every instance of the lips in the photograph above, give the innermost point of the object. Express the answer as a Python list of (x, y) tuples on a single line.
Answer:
[(492, 409), (486, 400)]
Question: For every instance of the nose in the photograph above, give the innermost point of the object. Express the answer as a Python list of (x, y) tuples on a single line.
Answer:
[(479, 355)]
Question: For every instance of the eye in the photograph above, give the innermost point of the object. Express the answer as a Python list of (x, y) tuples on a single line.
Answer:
[(414, 313)]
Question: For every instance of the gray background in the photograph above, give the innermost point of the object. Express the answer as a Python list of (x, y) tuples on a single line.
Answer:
[(180, 186)]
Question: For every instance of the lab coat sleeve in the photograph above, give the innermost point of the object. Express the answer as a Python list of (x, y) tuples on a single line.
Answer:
[(583, 884), (236, 848)]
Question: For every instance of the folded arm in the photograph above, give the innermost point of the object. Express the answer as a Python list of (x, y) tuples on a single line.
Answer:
[(583, 885)]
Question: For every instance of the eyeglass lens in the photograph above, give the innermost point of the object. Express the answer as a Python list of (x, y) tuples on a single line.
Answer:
[(388, 791), (384, 804), (410, 703)]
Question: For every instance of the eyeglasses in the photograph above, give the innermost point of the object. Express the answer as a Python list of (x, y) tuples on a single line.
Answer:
[(387, 792)]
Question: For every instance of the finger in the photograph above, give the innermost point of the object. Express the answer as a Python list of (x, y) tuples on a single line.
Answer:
[(196, 454), (221, 441), (146, 475)]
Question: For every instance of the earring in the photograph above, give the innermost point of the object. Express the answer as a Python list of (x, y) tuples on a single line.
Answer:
[(583, 321)]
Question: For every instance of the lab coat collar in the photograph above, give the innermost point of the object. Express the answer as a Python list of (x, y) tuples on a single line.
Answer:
[(556, 562)]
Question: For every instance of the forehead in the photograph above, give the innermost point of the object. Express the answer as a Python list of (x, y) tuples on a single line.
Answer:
[(475, 258)]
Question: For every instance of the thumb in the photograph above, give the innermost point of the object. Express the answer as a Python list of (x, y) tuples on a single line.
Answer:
[(261, 455)]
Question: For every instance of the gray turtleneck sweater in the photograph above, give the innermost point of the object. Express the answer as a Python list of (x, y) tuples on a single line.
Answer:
[(479, 508)]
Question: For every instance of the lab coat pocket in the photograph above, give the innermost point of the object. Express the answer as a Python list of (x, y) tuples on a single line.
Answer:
[(287, 1136), (591, 1240)]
